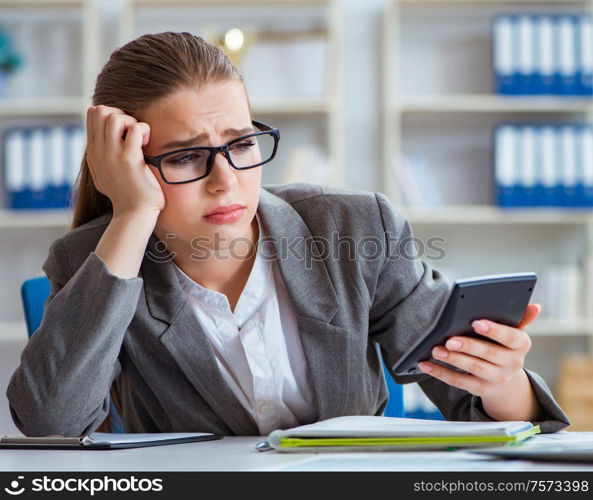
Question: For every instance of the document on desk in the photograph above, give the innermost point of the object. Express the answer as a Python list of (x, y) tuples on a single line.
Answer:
[(105, 441), (565, 437), (400, 461), (369, 433)]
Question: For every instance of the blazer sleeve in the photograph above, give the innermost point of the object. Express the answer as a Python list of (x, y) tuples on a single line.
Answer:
[(408, 296), (66, 369)]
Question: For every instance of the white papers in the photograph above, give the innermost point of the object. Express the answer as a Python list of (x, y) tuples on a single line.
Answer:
[(105, 437), (370, 426)]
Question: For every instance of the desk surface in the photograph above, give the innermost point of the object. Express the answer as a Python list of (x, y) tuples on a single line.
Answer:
[(239, 454)]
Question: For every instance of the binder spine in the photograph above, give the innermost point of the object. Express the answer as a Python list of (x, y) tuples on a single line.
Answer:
[(586, 55), (546, 58), (527, 179), (569, 179), (525, 51), (587, 162), (504, 64), (504, 172), (41, 165), (567, 66)]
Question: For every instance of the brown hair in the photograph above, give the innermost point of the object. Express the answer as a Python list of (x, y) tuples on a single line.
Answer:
[(138, 74)]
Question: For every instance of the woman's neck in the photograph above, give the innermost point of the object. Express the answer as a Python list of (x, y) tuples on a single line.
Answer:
[(225, 271)]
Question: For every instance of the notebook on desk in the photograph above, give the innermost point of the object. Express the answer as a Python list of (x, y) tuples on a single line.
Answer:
[(370, 433), (104, 441), (556, 447)]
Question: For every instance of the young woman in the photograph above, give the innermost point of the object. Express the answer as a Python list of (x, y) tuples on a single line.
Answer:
[(200, 301)]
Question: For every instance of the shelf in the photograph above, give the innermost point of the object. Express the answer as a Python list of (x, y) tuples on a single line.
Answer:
[(42, 3), (77, 105), (548, 327), (296, 106), (493, 104), (57, 106), (13, 331), (407, 3), (13, 219), (197, 3), (482, 214)]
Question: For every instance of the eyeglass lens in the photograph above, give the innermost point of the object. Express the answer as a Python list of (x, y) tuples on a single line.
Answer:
[(189, 165)]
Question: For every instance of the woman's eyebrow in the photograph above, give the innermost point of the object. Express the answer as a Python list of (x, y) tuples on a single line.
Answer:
[(229, 132)]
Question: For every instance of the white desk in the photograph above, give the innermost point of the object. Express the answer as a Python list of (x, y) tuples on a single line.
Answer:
[(238, 454)]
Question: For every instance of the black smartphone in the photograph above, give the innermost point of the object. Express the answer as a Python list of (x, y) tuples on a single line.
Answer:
[(502, 298)]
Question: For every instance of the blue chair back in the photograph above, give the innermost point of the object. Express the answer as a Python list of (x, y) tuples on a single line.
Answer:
[(395, 403), (34, 293)]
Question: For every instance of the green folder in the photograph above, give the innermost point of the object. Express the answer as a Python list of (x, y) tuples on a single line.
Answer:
[(364, 433)]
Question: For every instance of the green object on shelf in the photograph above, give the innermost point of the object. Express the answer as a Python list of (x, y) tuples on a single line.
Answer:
[(10, 59)]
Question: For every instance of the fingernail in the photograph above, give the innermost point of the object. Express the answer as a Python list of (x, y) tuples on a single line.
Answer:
[(439, 352), (453, 344), (480, 326), (425, 367)]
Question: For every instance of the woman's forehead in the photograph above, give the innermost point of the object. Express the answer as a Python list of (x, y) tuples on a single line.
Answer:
[(219, 110), (218, 97)]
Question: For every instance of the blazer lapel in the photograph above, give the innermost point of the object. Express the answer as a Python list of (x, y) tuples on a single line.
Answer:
[(326, 346), (186, 341)]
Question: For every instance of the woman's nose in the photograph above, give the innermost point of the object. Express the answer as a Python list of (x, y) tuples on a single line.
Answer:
[(223, 175)]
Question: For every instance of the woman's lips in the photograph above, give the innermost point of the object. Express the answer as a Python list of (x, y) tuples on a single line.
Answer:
[(227, 217)]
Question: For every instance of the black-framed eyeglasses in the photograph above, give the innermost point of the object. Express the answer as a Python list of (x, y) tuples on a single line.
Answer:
[(192, 164)]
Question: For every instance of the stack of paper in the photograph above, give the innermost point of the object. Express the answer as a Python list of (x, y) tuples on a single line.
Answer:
[(367, 433)]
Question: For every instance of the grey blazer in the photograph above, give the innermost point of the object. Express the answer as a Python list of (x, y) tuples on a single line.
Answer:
[(140, 334)]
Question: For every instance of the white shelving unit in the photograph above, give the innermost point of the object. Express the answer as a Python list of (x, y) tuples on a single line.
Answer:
[(490, 104), (25, 236), (428, 105), (89, 43), (312, 116), (482, 214), (48, 109), (33, 219)]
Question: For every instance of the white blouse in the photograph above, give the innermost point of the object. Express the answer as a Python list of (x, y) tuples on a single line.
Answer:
[(257, 347)]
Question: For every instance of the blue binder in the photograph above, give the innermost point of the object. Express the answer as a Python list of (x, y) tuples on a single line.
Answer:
[(585, 56), (504, 58), (567, 51), (569, 165), (504, 166), (544, 50), (36, 175), (550, 167), (544, 165), (543, 54)]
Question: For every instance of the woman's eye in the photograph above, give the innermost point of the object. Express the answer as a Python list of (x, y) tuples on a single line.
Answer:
[(243, 146), (186, 158)]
